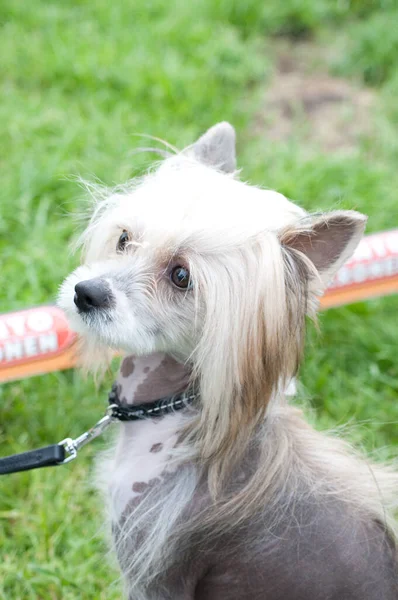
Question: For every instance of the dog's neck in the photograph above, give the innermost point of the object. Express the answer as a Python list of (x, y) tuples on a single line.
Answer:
[(143, 379)]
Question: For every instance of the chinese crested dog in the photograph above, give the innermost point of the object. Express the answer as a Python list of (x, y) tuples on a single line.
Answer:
[(207, 282)]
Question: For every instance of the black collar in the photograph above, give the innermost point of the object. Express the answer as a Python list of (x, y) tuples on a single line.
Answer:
[(157, 408)]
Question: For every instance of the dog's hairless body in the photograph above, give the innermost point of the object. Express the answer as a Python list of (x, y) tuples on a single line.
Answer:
[(316, 553), (205, 283)]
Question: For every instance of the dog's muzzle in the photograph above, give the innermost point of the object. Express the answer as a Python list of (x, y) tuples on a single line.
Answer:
[(93, 294)]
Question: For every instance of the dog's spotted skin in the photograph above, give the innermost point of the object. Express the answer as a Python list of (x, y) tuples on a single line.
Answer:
[(143, 446)]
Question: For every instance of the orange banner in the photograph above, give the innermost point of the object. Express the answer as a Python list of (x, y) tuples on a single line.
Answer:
[(35, 341), (38, 340)]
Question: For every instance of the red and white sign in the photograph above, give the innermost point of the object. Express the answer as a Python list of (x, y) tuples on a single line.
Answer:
[(36, 333)]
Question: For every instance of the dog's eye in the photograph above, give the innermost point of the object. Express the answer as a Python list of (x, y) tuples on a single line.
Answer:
[(181, 278), (121, 244)]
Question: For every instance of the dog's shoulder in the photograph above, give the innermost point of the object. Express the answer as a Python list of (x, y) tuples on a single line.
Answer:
[(320, 550)]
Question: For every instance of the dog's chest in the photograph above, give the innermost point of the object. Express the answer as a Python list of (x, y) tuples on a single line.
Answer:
[(140, 459)]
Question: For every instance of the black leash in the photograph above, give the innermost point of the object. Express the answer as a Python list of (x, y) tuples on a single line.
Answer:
[(66, 450)]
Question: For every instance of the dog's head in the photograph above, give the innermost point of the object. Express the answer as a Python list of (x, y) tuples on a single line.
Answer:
[(193, 262)]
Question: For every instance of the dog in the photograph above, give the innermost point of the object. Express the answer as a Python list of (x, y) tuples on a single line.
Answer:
[(207, 282)]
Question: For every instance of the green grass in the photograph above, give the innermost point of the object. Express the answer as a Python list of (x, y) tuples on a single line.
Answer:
[(78, 80)]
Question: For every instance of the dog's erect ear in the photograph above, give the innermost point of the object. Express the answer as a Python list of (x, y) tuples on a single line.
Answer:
[(216, 148), (328, 241)]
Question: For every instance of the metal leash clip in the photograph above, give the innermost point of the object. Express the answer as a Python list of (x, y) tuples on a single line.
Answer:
[(73, 445)]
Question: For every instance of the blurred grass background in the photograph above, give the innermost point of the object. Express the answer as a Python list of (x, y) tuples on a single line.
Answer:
[(78, 80)]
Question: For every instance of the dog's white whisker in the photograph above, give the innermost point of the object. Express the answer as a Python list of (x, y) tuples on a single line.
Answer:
[(158, 139)]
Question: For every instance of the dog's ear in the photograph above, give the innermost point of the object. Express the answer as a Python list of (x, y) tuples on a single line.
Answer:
[(216, 148), (328, 241)]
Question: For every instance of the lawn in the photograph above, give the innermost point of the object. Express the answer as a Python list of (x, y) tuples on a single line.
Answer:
[(79, 80)]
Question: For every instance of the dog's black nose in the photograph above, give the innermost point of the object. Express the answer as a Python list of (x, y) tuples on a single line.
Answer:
[(92, 293)]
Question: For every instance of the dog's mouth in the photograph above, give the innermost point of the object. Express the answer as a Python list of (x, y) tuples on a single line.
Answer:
[(95, 319)]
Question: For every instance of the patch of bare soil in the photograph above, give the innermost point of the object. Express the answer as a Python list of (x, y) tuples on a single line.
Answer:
[(304, 101)]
